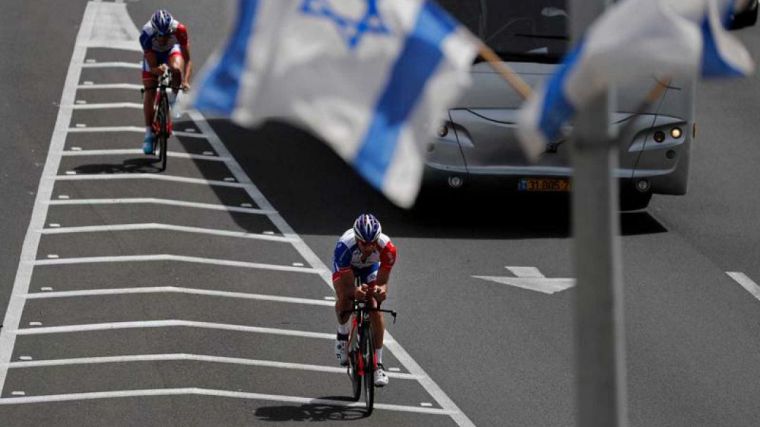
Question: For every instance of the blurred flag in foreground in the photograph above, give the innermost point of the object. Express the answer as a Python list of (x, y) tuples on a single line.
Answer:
[(372, 78), (634, 39)]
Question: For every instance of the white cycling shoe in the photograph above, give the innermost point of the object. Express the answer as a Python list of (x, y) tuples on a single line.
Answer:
[(381, 379), (341, 349)]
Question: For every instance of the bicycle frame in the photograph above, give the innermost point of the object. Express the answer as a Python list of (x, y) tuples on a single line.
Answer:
[(361, 350)]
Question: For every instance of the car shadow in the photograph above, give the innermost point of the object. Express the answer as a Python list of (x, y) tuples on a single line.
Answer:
[(318, 193), (311, 412)]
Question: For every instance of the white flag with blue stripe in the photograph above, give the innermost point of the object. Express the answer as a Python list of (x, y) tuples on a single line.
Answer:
[(373, 78), (634, 39)]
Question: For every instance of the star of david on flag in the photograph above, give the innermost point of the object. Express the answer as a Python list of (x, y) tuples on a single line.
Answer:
[(350, 28), (376, 102), (635, 39)]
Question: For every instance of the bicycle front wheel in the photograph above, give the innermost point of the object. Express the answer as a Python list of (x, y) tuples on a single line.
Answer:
[(163, 133), (369, 369)]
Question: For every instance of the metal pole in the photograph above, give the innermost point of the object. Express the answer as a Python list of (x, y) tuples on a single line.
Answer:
[(600, 353)]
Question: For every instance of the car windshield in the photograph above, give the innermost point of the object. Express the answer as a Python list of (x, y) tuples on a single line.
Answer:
[(518, 30)]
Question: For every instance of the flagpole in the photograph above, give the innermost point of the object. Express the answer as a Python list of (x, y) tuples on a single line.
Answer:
[(514, 80), (599, 338)]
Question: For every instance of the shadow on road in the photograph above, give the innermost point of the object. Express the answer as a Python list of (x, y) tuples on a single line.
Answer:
[(312, 412), (136, 165), (317, 193)]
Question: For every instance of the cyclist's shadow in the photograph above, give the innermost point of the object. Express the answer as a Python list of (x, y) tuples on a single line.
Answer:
[(313, 412), (136, 165)]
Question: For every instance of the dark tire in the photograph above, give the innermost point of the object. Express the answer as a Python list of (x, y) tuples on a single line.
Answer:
[(369, 370), (746, 18), (633, 200), (353, 372), (163, 133)]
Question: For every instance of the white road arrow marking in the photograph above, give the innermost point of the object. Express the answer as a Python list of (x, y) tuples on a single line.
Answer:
[(532, 279)]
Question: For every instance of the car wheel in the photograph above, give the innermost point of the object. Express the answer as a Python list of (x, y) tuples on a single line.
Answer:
[(745, 18)]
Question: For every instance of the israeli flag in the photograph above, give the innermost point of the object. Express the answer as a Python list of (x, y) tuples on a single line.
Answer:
[(634, 39), (372, 78)]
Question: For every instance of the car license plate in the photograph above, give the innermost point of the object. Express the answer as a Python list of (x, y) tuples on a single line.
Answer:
[(544, 185)]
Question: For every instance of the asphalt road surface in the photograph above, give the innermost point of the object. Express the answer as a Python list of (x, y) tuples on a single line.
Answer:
[(200, 296)]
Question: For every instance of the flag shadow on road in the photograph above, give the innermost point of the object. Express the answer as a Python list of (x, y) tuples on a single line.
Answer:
[(318, 193)]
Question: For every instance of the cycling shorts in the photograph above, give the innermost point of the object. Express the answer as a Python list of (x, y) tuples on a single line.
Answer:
[(367, 275)]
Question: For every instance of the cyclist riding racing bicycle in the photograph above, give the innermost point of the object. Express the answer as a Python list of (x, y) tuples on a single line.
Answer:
[(166, 46), (364, 252)]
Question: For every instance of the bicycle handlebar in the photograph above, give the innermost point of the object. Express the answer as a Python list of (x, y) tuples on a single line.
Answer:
[(358, 309)]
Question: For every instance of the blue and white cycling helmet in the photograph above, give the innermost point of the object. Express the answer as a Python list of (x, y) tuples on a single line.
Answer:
[(162, 22), (367, 228)]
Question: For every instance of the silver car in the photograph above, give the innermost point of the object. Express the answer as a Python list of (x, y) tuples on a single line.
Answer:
[(478, 143)]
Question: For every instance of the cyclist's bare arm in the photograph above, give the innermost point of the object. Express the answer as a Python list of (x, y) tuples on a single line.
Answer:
[(381, 286), (188, 71)]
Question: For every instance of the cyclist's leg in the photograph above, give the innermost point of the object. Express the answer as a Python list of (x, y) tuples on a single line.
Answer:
[(176, 64), (343, 282), (378, 321), (150, 61)]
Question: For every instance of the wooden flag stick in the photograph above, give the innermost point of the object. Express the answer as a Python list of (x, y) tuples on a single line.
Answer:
[(514, 80)]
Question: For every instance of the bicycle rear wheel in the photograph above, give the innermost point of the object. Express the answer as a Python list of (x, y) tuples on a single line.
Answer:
[(368, 354)]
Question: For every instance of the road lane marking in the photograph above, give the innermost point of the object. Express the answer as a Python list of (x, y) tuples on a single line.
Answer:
[(108, 106), (313, 260), (746, 283), (177, 290), (166, 227), (532, 279), (148, 176), (179, 357), (137, 151), (132, 65), (177, 258), (114, 28), (156, 201), (195, 391), (94, 86), (172, 323)]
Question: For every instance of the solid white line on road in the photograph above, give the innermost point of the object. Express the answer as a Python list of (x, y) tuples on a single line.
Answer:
[(150, 176), (173, 323), (177, 258), (155, 201), (746, 283), (44, 192), (133, 65), (129, 86), (305, 251), (137, 151), (165, 227), (177, 290), (215, 393), (178, 357), (108, 106), (133, 129)]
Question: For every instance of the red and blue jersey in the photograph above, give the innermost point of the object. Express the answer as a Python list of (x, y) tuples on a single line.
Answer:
[(178, 37), (348, 256)]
